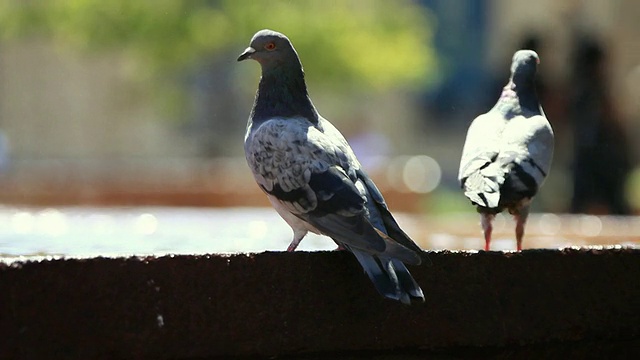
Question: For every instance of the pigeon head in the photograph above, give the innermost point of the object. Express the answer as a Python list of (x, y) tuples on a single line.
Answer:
[(524, 65), (282, 91), (271, 49)]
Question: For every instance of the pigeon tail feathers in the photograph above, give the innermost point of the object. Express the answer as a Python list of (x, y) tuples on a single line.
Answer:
[(487, 200), (386, 285), (390, 277), (483, 187), (406, 281)]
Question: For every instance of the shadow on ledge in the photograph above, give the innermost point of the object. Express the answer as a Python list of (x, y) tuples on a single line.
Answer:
[(302, 305)]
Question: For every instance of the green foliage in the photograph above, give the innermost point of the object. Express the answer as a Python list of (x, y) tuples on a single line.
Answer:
[(447, 201), (372, 44)]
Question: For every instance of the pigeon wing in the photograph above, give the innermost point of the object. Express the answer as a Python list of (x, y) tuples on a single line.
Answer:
[(527, 152)]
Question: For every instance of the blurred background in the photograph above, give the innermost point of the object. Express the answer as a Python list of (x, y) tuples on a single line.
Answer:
[(124, 120)]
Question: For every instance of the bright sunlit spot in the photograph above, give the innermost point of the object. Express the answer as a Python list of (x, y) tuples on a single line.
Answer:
[(257, 229), (51, 222), (146, 224), (22, 222)]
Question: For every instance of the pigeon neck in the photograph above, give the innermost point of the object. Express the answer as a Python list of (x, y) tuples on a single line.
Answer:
[(517, 98), (282, 92)]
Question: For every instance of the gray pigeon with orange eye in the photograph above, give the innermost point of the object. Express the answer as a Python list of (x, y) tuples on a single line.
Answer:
[(312, 177), (507, 153)]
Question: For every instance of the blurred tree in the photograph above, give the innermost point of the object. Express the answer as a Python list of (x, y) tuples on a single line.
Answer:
[(372, 44)]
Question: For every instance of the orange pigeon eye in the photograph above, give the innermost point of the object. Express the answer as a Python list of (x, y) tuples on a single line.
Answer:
[(270, 46)]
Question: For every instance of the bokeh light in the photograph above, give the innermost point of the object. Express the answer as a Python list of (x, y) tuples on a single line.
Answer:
[(421, 174)]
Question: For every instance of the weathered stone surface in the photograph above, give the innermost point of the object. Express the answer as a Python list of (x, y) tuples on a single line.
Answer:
[(314, 303)]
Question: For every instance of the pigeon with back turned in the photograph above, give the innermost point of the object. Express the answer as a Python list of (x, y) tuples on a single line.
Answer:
[(508, 150), (312, 177)]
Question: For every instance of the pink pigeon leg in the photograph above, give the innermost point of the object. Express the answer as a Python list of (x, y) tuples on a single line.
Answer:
[(521, 220), (297, 237), (487, 227)]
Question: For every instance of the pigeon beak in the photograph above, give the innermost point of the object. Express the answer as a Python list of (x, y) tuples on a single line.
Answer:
[(246, 54)]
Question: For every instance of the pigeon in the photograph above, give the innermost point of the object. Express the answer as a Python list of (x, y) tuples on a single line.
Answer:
[(508, 150), (312, 177)]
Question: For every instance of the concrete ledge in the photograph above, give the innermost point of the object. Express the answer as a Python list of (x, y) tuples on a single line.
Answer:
[(317, 303)]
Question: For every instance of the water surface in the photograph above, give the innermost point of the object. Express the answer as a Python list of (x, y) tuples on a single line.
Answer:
[(90, 231)]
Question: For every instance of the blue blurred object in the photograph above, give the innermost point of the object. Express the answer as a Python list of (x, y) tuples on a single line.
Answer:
[(460, 40)]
